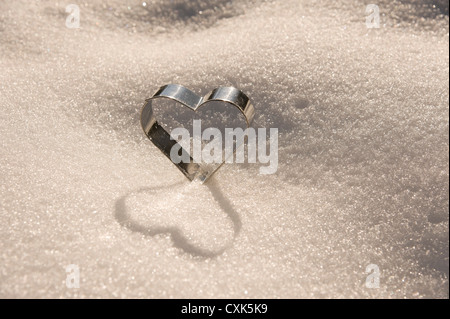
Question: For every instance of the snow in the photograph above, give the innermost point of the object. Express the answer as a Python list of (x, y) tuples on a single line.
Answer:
[(363, 177)]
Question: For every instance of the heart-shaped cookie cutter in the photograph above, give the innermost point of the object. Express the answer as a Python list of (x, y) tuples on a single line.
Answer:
[(159, 136)]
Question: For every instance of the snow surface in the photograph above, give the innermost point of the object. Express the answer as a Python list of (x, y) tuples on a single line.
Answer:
[(364, 141)]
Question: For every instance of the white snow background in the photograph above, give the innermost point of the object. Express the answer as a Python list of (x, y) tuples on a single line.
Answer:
[(364, 141)]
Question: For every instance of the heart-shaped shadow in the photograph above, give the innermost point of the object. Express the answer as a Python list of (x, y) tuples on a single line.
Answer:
[(129, 219), (178, 93)]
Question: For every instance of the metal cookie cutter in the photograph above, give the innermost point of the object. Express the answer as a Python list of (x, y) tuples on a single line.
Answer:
[(186, 97)]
